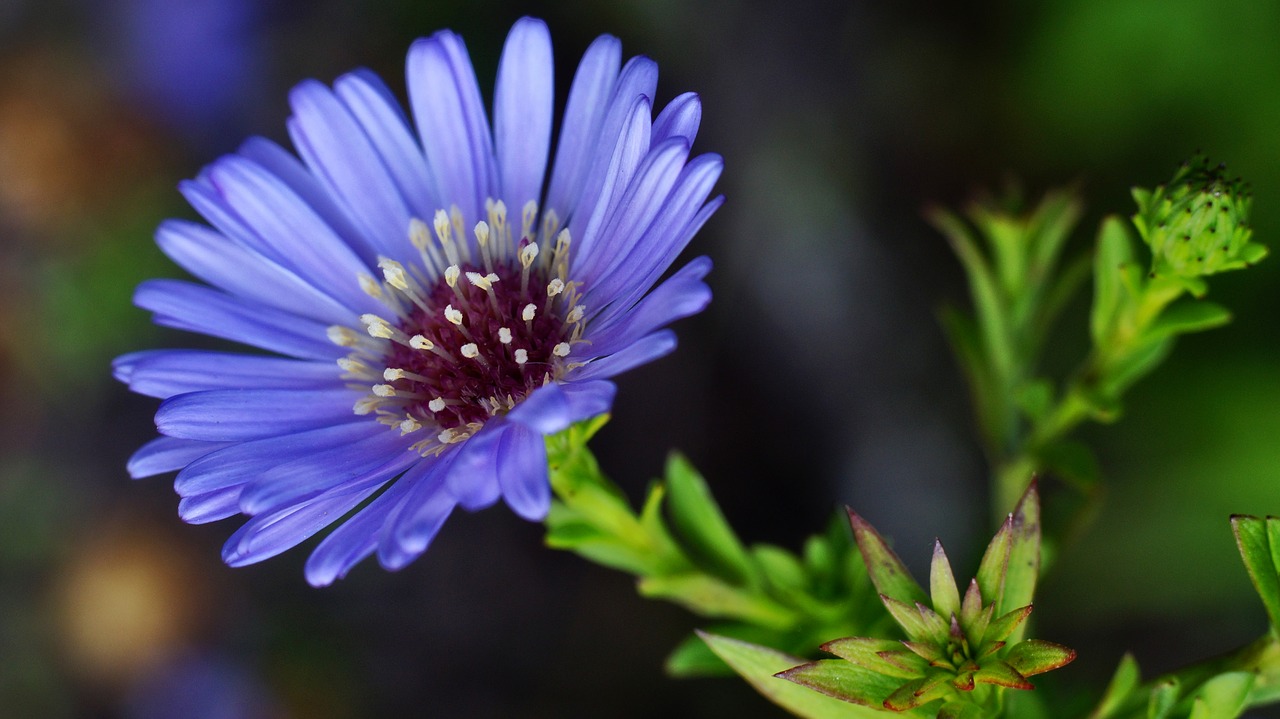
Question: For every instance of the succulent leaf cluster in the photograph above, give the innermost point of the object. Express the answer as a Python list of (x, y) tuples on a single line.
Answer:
[(960, 650)]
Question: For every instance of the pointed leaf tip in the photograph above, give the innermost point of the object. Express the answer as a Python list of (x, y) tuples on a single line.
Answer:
[(887, 572)]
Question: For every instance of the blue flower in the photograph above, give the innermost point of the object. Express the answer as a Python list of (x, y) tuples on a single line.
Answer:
[(440, 300)]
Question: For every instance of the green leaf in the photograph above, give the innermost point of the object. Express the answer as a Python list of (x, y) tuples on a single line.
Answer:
[(1145, 356), (693, 658), (887, 572), (919, 692), (758, 666), (1222, 697), (961, 710), (995, 561), (1256, 551), (1123, 684), (1023, 566), (710, 597), (1004, 625), (1189, 316), (780, 568), (1036, 656), (1163, 696), (869, 653), (1115, 252), (844, 681), (588, 541), (1002, 674), (942, 584), (709, 538), (919, 622)]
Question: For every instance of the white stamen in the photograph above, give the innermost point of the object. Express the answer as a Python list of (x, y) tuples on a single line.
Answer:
[(409, 425), (561, 350), (575, 314), (483, 282), (452, 315), (554, 287), (365, 405), (377, 326), (342, 336), (528, 254), (394, 273), (470, 350), (528, 215), (530, 310), (384, 390), (451, 436), (451, 275), (522, 356), (504, 335), (419, 342), (436, 404), (370, 286), (391, 374), (482, 233)]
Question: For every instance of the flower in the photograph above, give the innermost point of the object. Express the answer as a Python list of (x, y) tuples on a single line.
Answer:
[(438, 310)]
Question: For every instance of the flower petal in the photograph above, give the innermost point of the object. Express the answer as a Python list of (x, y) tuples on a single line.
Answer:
[(473, 479), (522, 108), (451, 121), (593, 84), (357, 537), (681, 295), (606, 186), (680, 118), (269, 534), (343, 158), (522, 472), (379, 113), (553, 407), (196, 308), (643, 351), (241, 462), (168, 454), (407, 531), (164, 373), (241, 414), (210, 506), (365, 461)]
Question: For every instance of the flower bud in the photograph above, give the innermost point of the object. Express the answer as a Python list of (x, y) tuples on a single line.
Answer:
[(1197, 224)]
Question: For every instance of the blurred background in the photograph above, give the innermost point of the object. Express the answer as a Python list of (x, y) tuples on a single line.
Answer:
[(818, 377)]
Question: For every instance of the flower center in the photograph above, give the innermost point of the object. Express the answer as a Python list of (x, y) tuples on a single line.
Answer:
[(471, 331)]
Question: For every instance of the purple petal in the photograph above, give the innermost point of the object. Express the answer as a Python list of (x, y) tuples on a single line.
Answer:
[(224, 263), (298, 235), (242, 414), (168, 454), (363, 462), (583, 117), (604, 189), (473, 479), (164, 373), (269, 534), (553, 407), (375, 107), (681, 295), (641, 352), (210, 506), (196, 308), (680, 118), (357, 537), (409, 529), (522, 108), (342, 157), (451, 122), (244, 461), (522, 472)]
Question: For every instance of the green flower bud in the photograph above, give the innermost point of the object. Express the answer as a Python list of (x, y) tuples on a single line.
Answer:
[(1197, 224)]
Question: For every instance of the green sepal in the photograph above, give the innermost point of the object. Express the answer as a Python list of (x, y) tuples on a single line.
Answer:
[(1023, 566), (708, 538), (942, 583), (870, 653), (1036, 656), (842, 680), (590, 542), (919, 692), (1164, 695), (918, 622), (1002, 674), (1253, 253), (759, 666), (1189, 316), (1122, 685), (888, 573), (1257, 540), (1004, 625), (995, 561), (1222, 697)]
